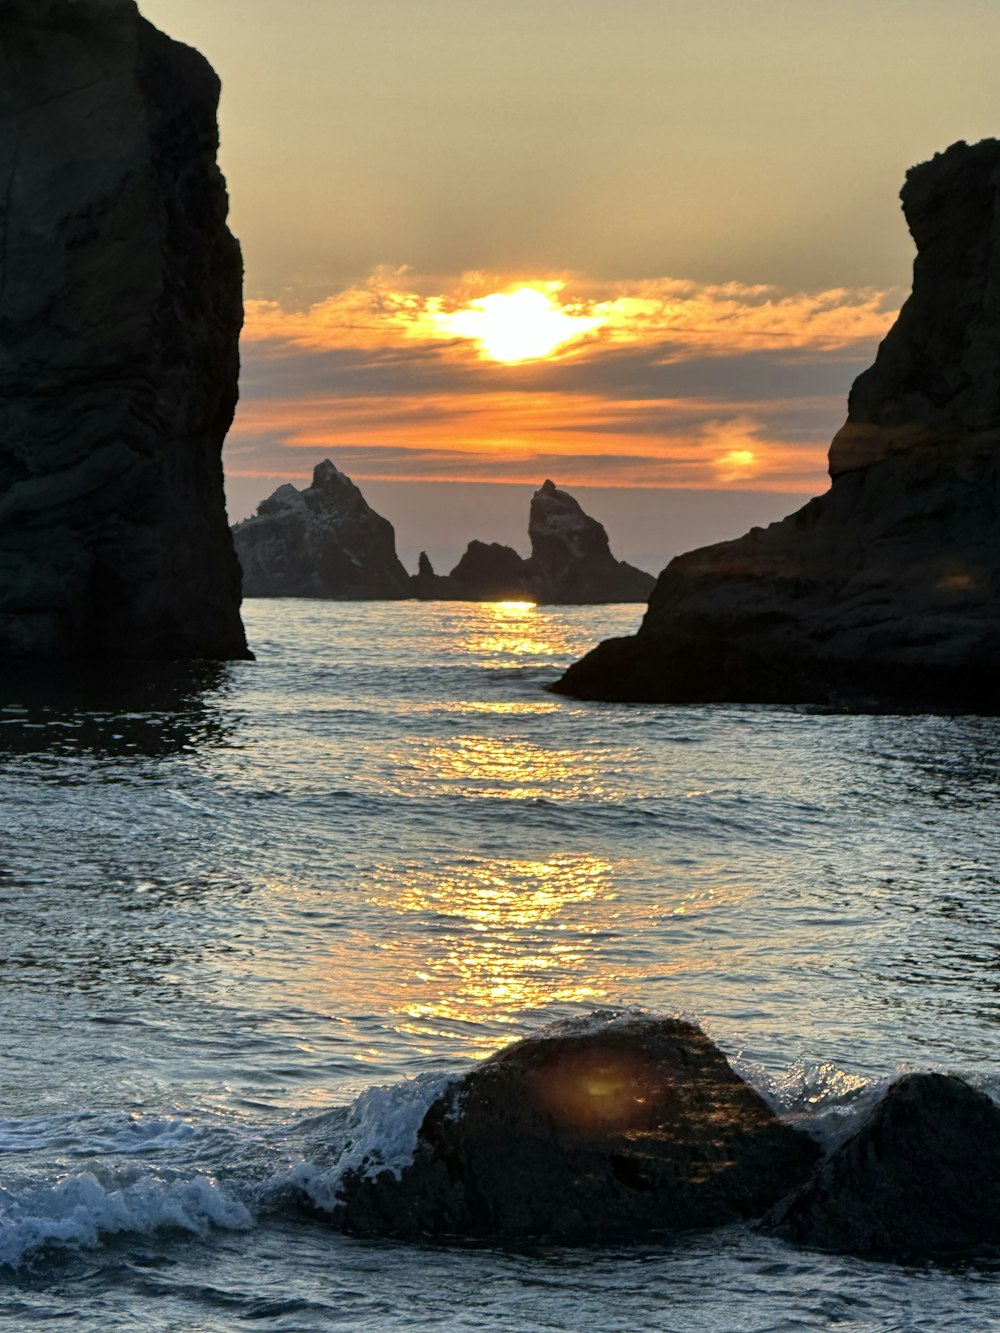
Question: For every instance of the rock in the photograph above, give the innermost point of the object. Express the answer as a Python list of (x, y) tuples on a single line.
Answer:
[(885, 591), (570, 563), (324, 541), (917, 1181), (490, 572), (120, 313), (425, 584), (588, 1136), (571, 560)]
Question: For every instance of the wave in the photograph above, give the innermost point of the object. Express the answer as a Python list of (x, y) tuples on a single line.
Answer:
[(82, 1179), (81, 1210)]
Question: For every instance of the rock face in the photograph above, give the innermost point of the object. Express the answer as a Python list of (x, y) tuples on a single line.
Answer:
[(570, 563), (885, 591), (490, 573), (324, 541), (120, 312), (917, 1181), (571, 560), (608, 1135)]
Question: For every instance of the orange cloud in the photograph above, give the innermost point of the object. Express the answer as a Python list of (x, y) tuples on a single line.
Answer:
[(503, 437), (394, 309)]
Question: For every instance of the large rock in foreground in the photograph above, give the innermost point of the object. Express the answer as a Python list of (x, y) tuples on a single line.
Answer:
[(885, 591), (324, 541), (612, 1135), (919, 1179), (120, 312)]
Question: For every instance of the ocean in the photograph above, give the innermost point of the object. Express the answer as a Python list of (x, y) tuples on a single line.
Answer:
[(254, 915)]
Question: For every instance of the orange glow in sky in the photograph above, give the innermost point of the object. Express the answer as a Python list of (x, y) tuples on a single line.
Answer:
[(523, 325)]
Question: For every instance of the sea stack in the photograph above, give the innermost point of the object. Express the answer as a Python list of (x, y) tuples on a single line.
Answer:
[(323, 541), (570, 563), (120, 313), (571, 560), (885, 591)]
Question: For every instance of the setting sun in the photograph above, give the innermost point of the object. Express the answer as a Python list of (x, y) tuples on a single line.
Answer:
[(524, 325)]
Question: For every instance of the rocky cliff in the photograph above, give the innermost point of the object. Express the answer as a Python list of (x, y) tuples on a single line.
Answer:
[(571, 558), (324, 541), (883, 592), (120, 312), (570, 562)]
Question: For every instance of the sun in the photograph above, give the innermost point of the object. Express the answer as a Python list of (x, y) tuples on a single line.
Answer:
[(523, 325)]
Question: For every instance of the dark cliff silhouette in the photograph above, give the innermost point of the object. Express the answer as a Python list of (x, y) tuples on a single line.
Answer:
[(120, 313), (885, 591)]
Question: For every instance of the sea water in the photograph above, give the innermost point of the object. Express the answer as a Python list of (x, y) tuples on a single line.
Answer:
[(254, 916)]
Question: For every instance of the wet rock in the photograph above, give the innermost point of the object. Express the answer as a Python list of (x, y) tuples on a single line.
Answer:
[(571, 560), (120, 312), (323, 541), (885, 591), (917, 1181), (618, 1134)]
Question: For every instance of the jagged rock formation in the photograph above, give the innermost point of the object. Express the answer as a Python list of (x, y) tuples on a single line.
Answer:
[(425, 584), (120, 312), (590, 1136), (324, 541), (885, 591), (917, 1181), (570, 562), (571, 558)]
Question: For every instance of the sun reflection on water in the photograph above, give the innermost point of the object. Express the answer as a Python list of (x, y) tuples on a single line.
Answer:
[(504, 630), (491, 939), (513, 769)]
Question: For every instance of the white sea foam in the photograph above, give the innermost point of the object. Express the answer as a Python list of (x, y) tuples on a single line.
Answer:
[(78, 1211), (380, 1133)]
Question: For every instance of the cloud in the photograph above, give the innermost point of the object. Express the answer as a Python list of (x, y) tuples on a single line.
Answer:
[(665, 383), (394, 309)]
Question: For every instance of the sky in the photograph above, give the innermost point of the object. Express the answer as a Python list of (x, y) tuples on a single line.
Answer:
[(641, 247)]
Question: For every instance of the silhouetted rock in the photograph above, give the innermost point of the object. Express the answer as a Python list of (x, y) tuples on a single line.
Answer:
[(571, 560), (570, 563), (425, 584), (885, 591), (120, 312), (917, 1181), (324, 541), (490, 572), (591, 1136)]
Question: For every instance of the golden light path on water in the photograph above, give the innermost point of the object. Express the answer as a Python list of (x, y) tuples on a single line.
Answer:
[(479, 938)]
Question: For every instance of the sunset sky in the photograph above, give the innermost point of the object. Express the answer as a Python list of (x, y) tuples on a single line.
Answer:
[(641, 247)]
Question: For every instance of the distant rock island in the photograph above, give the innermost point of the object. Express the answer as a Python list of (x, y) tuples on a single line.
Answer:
[(120, 314), (885, 591), (327, 541), (324, 541), (570, 563)]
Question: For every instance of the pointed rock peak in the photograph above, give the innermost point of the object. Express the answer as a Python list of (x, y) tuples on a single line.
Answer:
[(549, 496), (424, 565), (325, 475)]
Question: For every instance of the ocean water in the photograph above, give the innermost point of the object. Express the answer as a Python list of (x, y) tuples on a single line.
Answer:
[(252, 916)]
